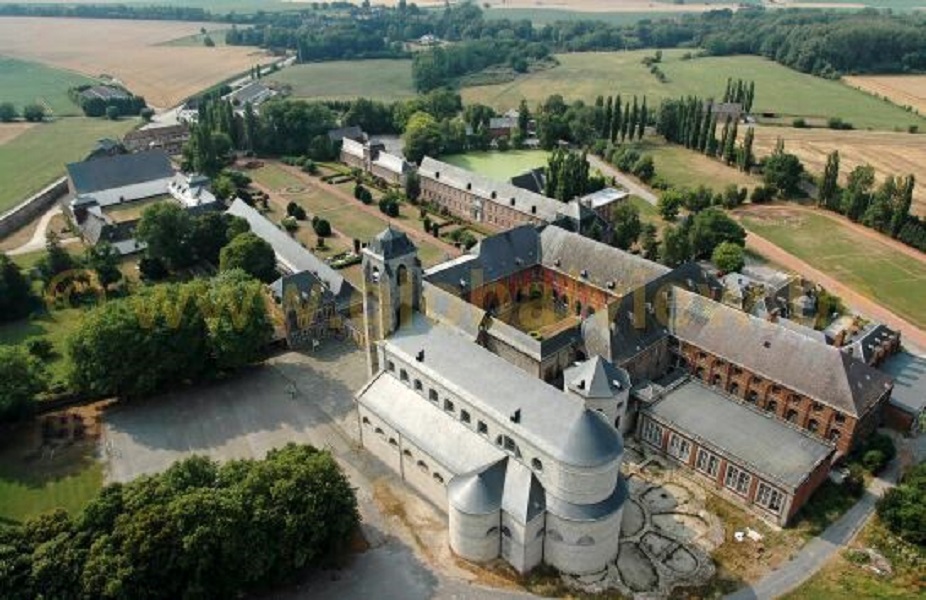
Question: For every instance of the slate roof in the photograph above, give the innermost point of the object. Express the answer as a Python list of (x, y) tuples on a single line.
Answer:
[(390, 243), (605, 267), (604, 197), (523, 497), (863, 344), (809, 367), (776, 451), (291, 255), (452, 311), (491, 259), (590, 512), (353, 132), (558, 424), (596, 378), (480, 492), (506, 194), (254, 92), (909, 373), (119, 171), (437, 433)]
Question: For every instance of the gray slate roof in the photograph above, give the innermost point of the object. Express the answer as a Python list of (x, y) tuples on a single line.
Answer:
[(596, 378), (453, 311), (427, 426), (525, 201), (779, 452), (390, 243), (809, 367), (574, 254), (291, 254), (909, 373), (558, 424), (590, 512), (353, 132), (480, 492), (119, 171)]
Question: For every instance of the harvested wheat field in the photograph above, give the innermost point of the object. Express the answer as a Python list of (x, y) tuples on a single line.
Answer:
[(598, 6), (10, 131), (888, 152), (129, 52), (903, 90)]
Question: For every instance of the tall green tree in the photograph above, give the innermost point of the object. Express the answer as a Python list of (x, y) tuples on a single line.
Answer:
[(16, 299), (828, 186), (675, 248), (166, 229), (21, 379), (746, 158), (252, 255), (857, 195), (627, 225), (902, 209)]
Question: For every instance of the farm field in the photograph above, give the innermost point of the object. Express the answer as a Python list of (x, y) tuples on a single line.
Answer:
[(385, 79), (499, 165), (11, 131), (682, 167), (23, 83), (868, 265), (129, 51), (37, 156), (586, 75), (888, 152), (903, 90)]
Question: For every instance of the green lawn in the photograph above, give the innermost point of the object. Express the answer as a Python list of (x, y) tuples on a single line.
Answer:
[(24, 83), (33, 483), (56, 326), (682, 167), (386, 79), (584, 76), (38, 156), (869, 266), (499, 165)]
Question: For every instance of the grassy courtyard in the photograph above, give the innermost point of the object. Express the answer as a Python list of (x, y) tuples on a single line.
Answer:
[(23, 83), (499, 165), (868, 265), (584, 76), (55, 326), (385, 79), (38, 156)]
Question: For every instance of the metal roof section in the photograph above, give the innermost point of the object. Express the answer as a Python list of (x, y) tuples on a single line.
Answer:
[(119, 171), (550, 419), (776, 451), (479, 493), (596, 378)]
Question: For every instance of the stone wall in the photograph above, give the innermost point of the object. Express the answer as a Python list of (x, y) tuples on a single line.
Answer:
[(21, 215)]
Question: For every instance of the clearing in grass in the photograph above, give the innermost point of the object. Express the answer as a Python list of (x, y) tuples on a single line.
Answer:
[(23, 82), (385, 80), (501, 166), (129, 51), (684, 168), (889, 153), (902, 90), (779, 90), (38, 156), (868, 265)]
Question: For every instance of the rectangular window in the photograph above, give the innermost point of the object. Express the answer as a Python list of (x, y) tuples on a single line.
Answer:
[(482, 428), (737, 480), (432, 395), (707, 463), (652, 433), (391, 366), (418, 386), (403, 375), (770, 498), (679, 447), (464, 416), (448, 405)]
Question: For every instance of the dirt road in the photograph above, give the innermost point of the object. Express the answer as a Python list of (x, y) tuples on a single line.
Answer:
[(912, 336)]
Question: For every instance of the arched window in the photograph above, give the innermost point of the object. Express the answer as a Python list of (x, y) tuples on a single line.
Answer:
[(393, 442), (791, 417), (555, 535), (585, 540), (506, 532), (752, 396), (492, 531), (735, 389), (536, 465), (813, 425), (407, 453), (772, 406), (716, 379), (438, 478), (422, 465), (379, 430), (366, 421), (834, 435)]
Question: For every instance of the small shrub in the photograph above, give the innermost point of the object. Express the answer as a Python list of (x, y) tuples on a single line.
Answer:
[(290, 224), (40, 348), (799, 123), (295, 211)]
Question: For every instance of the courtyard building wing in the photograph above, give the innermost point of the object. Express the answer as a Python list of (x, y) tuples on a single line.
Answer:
[(119, 171)]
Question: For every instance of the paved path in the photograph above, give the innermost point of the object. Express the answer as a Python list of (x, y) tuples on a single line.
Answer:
[(632, 186), (39, 236), (912, 335), (819, 550)]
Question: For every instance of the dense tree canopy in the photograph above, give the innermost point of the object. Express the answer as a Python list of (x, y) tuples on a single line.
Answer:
[(21, 378), (16, 299), (252, 255), (167, 335), (903, 508), (198, 530)]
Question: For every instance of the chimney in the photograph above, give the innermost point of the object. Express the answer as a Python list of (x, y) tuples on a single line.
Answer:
[(582, 385), (420, 356), (516, 416)]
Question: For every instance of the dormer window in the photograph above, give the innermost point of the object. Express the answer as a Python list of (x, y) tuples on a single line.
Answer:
[(436, 174), (494, 195), (512, 202), (469, 186)]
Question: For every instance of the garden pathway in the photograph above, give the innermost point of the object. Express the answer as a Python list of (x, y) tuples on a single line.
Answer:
[(39, 236), (632, 186)]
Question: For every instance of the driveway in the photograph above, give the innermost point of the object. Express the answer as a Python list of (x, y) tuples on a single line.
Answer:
[(626, 181), (821, 549)]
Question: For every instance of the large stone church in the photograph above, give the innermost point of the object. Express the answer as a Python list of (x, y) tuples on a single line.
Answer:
[(503, 382)]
